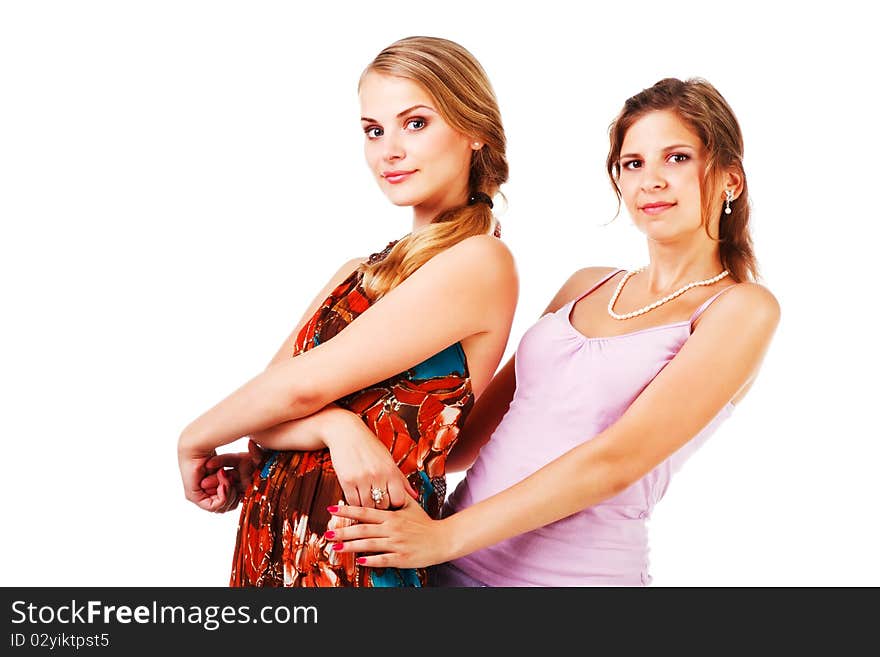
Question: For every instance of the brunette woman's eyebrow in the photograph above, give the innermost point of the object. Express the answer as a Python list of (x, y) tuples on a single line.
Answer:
[(404, 112), (666, 149)]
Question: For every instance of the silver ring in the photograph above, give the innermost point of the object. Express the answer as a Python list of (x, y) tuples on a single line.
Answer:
[(377, 494)]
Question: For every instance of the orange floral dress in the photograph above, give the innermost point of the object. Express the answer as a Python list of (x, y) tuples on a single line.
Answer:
[(417, 414)]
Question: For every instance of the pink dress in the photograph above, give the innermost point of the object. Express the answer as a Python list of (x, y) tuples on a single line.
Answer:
[(569, 389)]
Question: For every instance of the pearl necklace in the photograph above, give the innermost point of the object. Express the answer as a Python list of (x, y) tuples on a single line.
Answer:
[(668, 297)]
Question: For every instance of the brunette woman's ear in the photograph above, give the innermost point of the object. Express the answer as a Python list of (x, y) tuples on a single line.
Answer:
[(733, 181)]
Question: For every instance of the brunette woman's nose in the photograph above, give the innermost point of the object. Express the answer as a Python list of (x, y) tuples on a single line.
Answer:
[(652, 178)]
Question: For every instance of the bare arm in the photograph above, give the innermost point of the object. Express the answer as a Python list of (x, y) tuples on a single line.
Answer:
[(286, 350), (721, 358), (490, 408), (409, 324), (308, 433), (484, 418), (207, 482)]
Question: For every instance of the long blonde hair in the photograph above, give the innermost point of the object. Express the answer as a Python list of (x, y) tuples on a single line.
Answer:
[(700, 106), (459, 86)]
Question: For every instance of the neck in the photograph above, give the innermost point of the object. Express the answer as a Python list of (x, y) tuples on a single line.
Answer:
[(421, 218), (425, 213), (672, 266)]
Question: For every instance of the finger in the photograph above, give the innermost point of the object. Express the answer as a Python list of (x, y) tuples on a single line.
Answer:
[(397, 493), (256, 452), (360, 513), (351, 494), (229, 460), (410, 502), (220, 499), (380, 501), (359, 532), (363, 545), (210, 481), (232, 500), (207, 504), (385, 560), (409, 489), (213, 479), (227, 494), (362, 497)]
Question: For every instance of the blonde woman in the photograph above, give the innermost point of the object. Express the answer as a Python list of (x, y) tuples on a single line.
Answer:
[(426, 321)]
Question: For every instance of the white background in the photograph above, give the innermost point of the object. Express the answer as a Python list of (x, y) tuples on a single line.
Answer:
[(177, 180)]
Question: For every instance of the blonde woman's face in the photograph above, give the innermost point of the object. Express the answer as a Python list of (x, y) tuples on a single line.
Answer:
[(661, 164), (417, 158)]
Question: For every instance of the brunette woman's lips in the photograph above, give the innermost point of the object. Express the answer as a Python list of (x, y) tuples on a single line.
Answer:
[(395, 177), (656, 208)]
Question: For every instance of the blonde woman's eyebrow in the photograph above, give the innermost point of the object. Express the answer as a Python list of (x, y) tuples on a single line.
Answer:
[(404, 112)]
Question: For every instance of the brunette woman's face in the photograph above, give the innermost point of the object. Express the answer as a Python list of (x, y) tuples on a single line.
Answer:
[(661, 164), (417, 158)]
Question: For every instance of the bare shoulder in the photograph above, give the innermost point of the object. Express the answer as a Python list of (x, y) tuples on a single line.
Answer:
[(576, 284), (484, 248), (750, 300), (744, 308), (343, 273), (589, 276), (479, 257), (350, 265)]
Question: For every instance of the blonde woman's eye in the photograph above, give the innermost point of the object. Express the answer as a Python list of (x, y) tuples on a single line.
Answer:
[(373, 132), (416, 124), (679, 157)]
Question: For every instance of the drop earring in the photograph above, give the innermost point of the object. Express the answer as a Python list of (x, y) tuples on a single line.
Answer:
[(727, 201)]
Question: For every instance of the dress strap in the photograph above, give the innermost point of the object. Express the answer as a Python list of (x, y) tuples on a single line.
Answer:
[(597, 285), (699, 311)]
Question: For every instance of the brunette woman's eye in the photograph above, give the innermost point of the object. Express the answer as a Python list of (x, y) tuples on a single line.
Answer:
[(631, 164), (679, 157), (373, 132), (416, 124)]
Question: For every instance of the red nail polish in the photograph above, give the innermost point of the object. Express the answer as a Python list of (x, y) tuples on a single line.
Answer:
[(338, 546), (329, 534), (361, 560), (333, 509)]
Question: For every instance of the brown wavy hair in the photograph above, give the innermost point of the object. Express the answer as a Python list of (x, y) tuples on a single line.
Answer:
[(464, 97), (700, 106)]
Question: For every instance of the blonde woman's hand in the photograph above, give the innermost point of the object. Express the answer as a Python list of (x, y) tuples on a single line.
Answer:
[(363, 464), (193, 470), (239, 468)]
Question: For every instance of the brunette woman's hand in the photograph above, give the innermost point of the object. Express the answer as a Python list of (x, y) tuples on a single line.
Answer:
[(363, 464), (405, 538)]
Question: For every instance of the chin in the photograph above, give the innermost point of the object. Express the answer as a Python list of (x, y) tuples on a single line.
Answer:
[(401, 201), (403, 198)]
